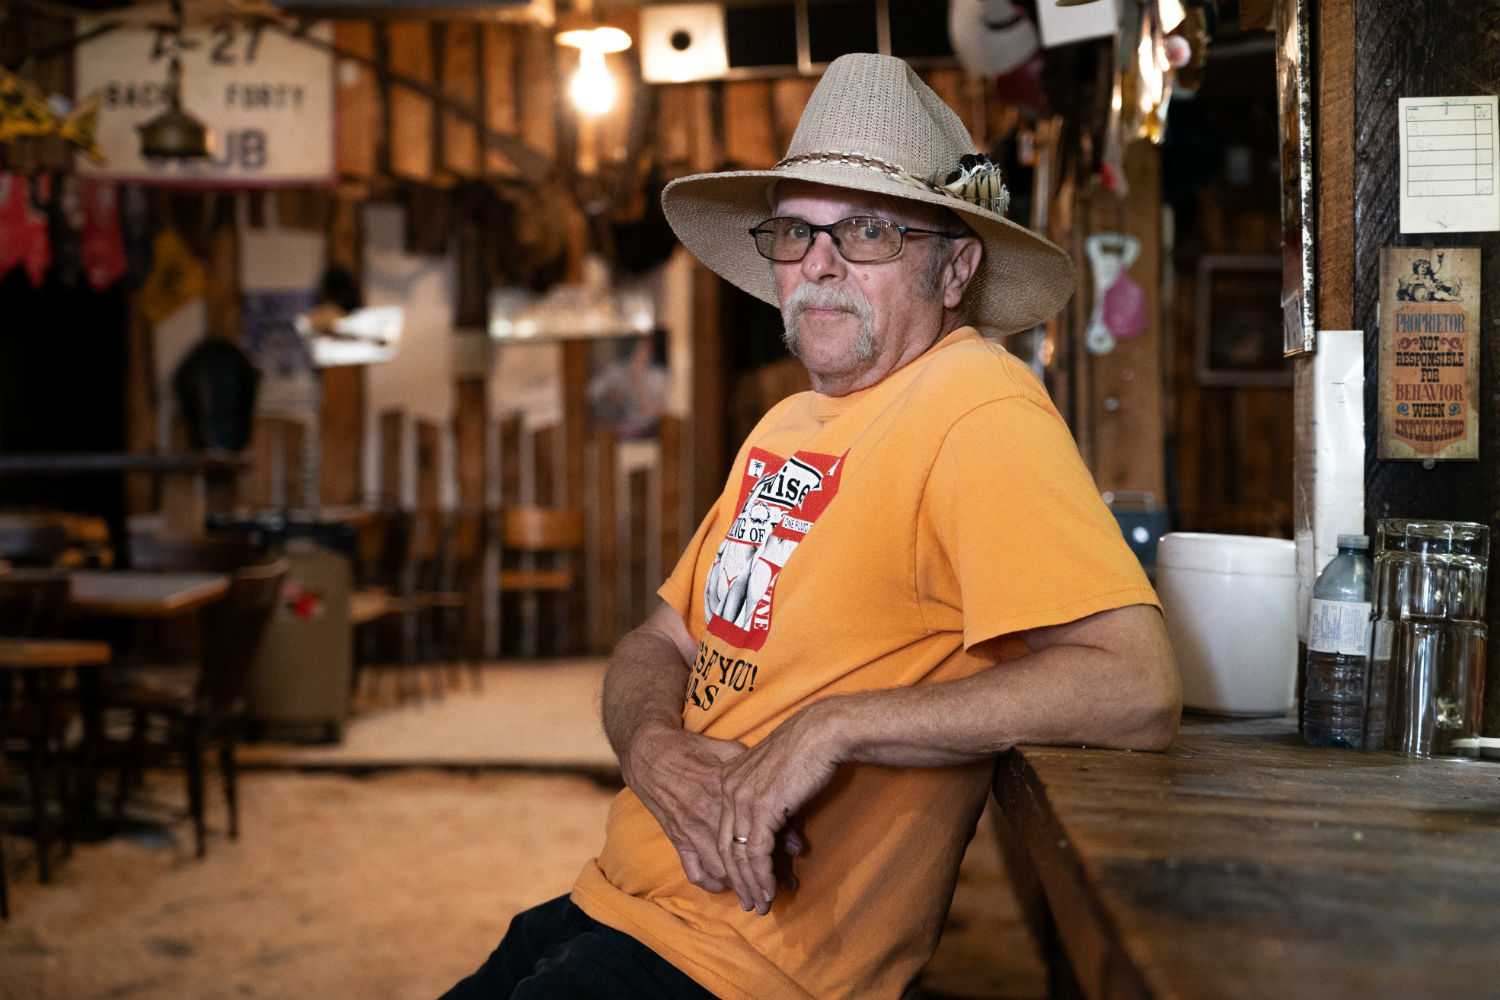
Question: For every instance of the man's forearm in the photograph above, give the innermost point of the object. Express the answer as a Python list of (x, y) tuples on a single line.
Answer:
[(676, 774), (1067, 693), (1109, 680), (644, 683)]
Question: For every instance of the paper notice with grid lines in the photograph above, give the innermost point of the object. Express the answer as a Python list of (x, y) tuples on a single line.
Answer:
[(1449, 158)]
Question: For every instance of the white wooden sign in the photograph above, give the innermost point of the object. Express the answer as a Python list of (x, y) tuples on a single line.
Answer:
[(267, 97)]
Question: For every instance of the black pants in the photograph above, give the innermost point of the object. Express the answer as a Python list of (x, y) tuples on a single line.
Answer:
[(557, 952)]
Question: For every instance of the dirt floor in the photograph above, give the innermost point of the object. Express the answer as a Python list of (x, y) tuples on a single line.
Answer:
[(384, 887)]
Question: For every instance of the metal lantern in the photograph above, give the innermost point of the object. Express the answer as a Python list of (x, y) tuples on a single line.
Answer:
[(174, 133)]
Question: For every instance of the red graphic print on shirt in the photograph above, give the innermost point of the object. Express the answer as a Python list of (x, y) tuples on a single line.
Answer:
[(780, 500)]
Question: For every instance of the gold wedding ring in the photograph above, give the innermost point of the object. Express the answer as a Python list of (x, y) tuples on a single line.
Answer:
[(740, 840)]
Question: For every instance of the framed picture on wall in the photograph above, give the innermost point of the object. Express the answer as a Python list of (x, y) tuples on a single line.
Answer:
[(1239, 329)]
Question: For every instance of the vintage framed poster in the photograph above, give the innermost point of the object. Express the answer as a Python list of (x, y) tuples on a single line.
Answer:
[(1429, 353)]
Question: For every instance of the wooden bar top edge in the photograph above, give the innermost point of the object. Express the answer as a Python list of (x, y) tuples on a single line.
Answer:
[(1241, 862)]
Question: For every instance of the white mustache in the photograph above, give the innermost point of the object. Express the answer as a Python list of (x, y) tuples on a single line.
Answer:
[(812, 296)]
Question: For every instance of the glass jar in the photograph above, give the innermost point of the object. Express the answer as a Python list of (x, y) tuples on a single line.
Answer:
[(1428, 637)]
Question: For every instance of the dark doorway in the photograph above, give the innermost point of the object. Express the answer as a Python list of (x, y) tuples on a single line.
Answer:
[(62, 388)]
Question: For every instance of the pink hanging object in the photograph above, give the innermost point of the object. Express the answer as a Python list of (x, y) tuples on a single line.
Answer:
[(1125, 308), (23, 226), (103, 250), (1119, 304)]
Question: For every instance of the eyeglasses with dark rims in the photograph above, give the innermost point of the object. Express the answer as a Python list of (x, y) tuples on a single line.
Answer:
[(859, 239)]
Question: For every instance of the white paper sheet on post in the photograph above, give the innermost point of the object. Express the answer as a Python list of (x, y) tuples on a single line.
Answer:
[(1330, 460), (1063, 25), (1449, 158)]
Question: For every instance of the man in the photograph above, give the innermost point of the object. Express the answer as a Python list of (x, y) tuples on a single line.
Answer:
[(909, 571)]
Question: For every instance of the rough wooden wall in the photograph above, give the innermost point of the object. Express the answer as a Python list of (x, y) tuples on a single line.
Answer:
[(1443, 47), (1398, 49)]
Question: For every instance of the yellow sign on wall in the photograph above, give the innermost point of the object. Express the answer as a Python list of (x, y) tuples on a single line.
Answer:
[(267, 97)]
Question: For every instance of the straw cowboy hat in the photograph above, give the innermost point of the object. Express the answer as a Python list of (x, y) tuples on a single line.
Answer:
[(872, 125)]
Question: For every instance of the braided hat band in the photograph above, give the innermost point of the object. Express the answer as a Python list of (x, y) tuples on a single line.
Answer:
[(976, 181)]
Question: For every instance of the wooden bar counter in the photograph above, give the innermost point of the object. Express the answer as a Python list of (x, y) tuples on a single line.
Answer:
[(193, 484), (1243, 863)]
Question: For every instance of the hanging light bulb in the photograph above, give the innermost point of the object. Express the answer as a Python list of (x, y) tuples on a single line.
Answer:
[(593, 90)]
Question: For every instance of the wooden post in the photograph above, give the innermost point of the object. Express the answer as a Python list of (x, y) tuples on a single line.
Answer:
[(342, 421), (392, 431), (1129, 435), (606, 624), (638, 518), (1335, 166), (223, 271), (544, 467), (575, 382), (470, 459), (709, 459), (429, 464), (510, 460), (140, 406), (672, 508)]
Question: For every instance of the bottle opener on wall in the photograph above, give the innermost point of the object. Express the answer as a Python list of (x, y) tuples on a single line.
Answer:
[(1119, 303)]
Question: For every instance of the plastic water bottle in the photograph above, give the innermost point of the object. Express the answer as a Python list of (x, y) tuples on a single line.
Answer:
[(1338, 624)]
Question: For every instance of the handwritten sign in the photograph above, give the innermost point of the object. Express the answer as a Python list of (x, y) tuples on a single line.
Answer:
[(1429, 353), (1450, 155), (267, 97)]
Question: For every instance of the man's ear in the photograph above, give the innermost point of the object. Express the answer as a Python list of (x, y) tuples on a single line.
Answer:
[(960, 270)]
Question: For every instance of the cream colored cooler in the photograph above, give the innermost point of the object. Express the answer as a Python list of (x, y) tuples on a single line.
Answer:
[(299, 684)]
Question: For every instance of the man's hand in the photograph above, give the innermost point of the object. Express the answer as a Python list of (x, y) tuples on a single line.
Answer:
[(678, 777), (763, 789)]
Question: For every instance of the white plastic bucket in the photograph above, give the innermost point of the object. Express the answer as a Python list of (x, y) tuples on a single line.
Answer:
[(1230, 603)]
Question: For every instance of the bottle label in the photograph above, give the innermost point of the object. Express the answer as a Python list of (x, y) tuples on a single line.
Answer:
[(1339, 627)]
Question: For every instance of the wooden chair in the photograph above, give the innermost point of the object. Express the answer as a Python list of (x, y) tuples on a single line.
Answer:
[(201, 707), (412, 545), (371, 601), (541, 548), (181, 639), (35, 708), (455, 588)]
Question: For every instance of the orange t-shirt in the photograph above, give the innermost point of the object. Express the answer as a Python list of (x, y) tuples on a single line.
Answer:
[(865, 541)]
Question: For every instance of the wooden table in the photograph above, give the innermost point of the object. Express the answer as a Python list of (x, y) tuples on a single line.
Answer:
[(1243, 863), (143, 594), (127, 594)]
